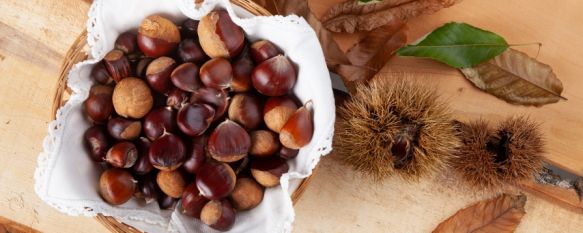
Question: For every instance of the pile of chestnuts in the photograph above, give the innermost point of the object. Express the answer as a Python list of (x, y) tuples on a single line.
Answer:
[(194, 113)]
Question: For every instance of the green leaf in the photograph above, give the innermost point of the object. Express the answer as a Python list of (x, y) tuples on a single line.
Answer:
[(459, 45)]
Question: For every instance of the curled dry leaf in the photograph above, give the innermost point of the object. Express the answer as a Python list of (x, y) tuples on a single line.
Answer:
[(517, 78), (352, 16), (502, 214)]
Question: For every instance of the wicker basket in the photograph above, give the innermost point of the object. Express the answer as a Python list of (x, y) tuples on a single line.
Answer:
[(78, 52)]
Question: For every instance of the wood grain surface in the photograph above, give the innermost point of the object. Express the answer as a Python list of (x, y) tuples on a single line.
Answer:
[(35, 34)]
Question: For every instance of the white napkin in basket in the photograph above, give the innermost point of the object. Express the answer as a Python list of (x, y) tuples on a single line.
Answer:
[(67, 179)]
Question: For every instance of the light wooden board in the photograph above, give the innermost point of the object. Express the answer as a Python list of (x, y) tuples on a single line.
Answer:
[(35, 35)]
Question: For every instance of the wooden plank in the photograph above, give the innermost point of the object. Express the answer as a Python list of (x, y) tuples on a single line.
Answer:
[(6, 226)]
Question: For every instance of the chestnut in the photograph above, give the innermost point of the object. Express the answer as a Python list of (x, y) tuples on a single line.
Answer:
[(124, 129), (157, 36), (247, 194), (171, 183), (189, 50), (215, 180), (166, 202), (158, 121), (229, 142), (117, 65), (245, 109), (268, 171), (274, 77), (263, 50), (176, 98), (263, 143), (219, 36), (297, 131), (242, 69), (218, 99), (185, 77), (126, 42), (216, 73), (148, 189), (97, 142), (196, 155), (287, 153), (100, 74), (142, 66), (194, 119), (167, 153), (193, 201), (218, 214), (158, 74), (122, 155), (143, 165), (116, 186), (132, 98), (188, 29), (99, 105), (277, 111)]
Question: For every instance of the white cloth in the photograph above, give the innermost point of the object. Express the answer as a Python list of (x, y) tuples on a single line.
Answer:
[(67, 179)]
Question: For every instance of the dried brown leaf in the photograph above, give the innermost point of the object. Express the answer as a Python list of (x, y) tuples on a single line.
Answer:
[(383, 40), (502, 214), (517, 78), (351, 16)]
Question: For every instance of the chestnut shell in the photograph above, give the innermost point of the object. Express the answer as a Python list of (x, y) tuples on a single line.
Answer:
[(167, 152)]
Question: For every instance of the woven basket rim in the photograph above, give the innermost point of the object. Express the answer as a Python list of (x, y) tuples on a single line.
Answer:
[(77, 53)]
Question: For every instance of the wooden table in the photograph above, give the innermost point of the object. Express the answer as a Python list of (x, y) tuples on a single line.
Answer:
[(35, 34)]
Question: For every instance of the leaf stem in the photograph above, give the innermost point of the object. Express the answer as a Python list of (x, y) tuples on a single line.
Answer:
[(528, 44)]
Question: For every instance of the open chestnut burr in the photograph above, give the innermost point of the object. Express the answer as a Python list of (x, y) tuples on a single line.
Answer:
[(229, 142), (116, 186), (157, 36), (219, 36), (193, 201), (215, 180), (268, 171), (167, 153)]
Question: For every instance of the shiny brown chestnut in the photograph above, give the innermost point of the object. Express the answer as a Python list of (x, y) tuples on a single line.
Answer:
[(218, 99), (176, 98), (287, 153), (167, 153), (264, 143), (219, 36), (117, 65), (142, 66), (148, 189), (158, 74), (196, 155), (158, 121), (215, 180), (297, 131), (245, 109), (171, 183), (218, 214), (157, 36), (193, 201), (194, 119), (132, 98), (274, 77), (126, 42), (263, 50), (166, 202), (247, 194), (99, 105), (242, 69), (143, 165), (100, 74), (189, 50), (229, 142), (189, 29), (122, 155), (216, 73), (97, 142), (116, 186), (268, 171), (124, 129), (277, 111), (185, 77)]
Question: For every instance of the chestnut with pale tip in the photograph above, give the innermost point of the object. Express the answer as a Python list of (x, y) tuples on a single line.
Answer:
[(274, 77), (229, 142), (185, 77), (245, 109), (297, 131), (263, 50), (171, 183), (268, 171), (117, 65), (167, 153), (132, 98), (158, 74), (247, 194), (157, 36), (122, 155), (218, 99), (99, 106), (124, 129), (264, 143), (215, 180), (116, 186), (277, 111), (193, 201), (216, 73), (97, 142), (158, 121), (194, 119), (219, 36), (218, 214)]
